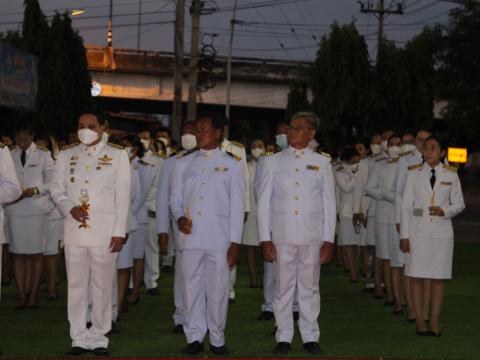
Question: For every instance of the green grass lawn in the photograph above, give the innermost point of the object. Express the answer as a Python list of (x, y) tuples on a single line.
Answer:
[(352, 324)]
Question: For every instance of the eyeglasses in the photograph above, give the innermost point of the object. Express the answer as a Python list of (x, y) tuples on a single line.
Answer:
[(299, 128)]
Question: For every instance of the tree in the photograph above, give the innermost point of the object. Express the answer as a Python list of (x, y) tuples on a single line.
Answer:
[(390, 90), (340, 82), (297, 99), (422, 60), (460, 70)]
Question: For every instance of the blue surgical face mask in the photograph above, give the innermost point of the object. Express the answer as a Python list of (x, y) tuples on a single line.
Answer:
[(281, 141)]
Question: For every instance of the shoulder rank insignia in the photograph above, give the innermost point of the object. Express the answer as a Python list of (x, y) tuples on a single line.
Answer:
[(405, 153), (116, 146), (69, 146), (268, 153), (416, 166), (451, 168), (236, 157), (181, 155), (42, 148), (317, 150), (105, 159), (238, 144)]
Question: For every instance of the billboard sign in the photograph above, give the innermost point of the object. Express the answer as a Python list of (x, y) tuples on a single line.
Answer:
[(18, 77)]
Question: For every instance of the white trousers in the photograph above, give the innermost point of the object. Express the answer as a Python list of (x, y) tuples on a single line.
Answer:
[(297, 265), (269, 288), (89, 268), (178, 315), (205, 294), (152, 256)]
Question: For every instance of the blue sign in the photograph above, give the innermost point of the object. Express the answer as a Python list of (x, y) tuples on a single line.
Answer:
[(18, 77)]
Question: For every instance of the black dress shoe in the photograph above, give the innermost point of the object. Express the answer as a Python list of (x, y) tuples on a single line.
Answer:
[(231, 301), (219, 350), (193, 348), (178, 329), (153, 292), (435, 334), (312, 348), (76, 351), (266, 315), (282, 348), (101, 351), (296, 315), (113, 330), (423, 333)]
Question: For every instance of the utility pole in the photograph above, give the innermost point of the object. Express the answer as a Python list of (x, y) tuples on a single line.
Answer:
[(229, 65), (395, 8), (110, 25), (195, 11), (108, 59), (139, 27), (176, 123)]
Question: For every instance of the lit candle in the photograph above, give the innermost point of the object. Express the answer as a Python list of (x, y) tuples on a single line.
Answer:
[(188, 215)]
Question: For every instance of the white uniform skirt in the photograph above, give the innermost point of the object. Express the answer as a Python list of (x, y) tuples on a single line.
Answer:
[(250, 231), (370, 240), (125, 256), (346, 232), (397, 257), (381, 241), (54, 235), (430, 258), (139, 237), (28, 234)]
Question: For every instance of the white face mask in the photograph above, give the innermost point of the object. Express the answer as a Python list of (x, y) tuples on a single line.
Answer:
[(407, 148), (87, 136), (375, 149), (257, 152), (164, 140), (188, 141), (385, 145), (281, 141), (129, 152), (146, 143), (394, 151)]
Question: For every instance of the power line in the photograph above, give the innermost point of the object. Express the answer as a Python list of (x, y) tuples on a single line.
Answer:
[(292, 29)]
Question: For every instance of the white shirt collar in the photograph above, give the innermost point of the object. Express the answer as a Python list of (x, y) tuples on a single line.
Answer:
[(31, 148), (298, 152), (207, 154)]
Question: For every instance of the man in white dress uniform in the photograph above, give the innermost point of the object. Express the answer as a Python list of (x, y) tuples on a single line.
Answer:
[(208, 202), (296, 209), (10, 190), (96, 174)]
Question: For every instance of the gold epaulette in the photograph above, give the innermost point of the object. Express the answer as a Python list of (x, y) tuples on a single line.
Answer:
[(69, 146), (405, 153), (181, 155), (43, 148), (339, 168), (236, 157), (268, 153), (451, 168), (116, 146), (322, 153), (236, 143), (416, 166)]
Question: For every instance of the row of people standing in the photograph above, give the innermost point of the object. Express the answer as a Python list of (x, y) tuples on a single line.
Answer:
[(376, 209)]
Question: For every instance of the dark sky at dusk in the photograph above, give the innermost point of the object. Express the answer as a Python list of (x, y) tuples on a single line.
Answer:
[(268, 27)]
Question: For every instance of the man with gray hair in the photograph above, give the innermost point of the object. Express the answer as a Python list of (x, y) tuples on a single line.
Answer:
[(296, 221)]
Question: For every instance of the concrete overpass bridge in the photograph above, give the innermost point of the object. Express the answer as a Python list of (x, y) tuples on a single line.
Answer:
[(142, 81)]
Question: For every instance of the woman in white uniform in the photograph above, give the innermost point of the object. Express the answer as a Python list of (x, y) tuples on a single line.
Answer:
[(381, 187), (250, 228), (27, 217), (54, 230), (348, 237), (432, 197), (134, 148)]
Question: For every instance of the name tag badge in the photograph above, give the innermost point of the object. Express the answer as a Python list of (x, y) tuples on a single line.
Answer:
[(313, 167), (418, 212), (221, 169), (105, 164), (445, 183)]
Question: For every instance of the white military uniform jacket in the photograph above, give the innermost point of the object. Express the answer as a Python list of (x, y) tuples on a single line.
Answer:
[(212, 186), (345, 179), (10, 189), (296, 198), (418, 196), (37, 172), (154, 160), (363, 203), (104, 171), (410, 159), (238, 149)]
